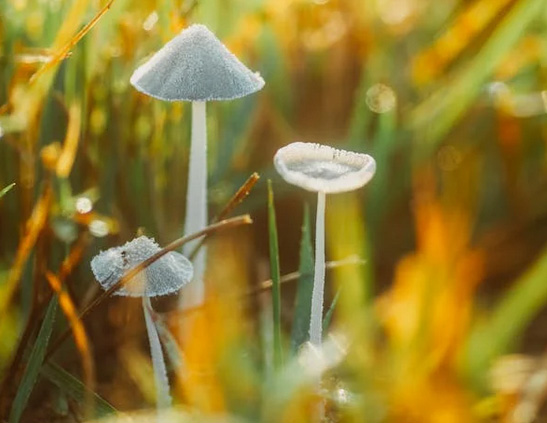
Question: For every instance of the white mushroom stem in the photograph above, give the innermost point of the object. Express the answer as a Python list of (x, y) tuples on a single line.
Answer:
[(196, 204), (163, 397), (316, 320)]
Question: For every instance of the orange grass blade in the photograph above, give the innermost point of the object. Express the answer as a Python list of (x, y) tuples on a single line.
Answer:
[(200, 384), (70, 146), (211, 336), (27, 102), (80, 337), (224, 224), (63, 52), (235, 201), (241, 194), (469, 23), (35, 225), (74, 257), (67, 266)]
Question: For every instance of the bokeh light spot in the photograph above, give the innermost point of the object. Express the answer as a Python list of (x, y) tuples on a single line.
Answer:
[(150, 21), (98, 228), (84, 205), (381, 98)]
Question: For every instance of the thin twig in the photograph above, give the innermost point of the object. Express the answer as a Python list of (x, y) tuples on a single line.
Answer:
[(267, 284), (65, 50), (238, 197), (131, 273), (234, 201)]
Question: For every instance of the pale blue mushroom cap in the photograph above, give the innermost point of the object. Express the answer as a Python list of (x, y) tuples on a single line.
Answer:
[(165, 276), (321, 168), (195, 66)]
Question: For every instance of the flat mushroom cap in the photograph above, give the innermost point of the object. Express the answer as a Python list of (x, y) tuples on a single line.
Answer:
[(165, 276), (321, 168), (195, 66)]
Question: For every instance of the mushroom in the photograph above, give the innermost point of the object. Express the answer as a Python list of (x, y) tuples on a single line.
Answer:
[(165, 276), (324, 170), (195, 66)]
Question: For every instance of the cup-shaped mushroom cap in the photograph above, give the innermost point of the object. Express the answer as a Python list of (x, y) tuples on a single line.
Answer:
[(165, 276), (321, 168), (195, 66)]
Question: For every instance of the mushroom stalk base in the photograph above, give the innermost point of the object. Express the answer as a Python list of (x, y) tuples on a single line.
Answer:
[(316, 320), (196, 204), (163, 397)]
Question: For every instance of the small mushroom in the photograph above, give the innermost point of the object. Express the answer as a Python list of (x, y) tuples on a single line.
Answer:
[(165, 276), (195, 66), (324, 170)]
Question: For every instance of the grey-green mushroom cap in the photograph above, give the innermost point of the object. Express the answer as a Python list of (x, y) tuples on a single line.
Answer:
[(165, 276), (321, 168), (195, 66)]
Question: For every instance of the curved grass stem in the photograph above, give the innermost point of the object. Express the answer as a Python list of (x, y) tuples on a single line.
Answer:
[(224, 224)]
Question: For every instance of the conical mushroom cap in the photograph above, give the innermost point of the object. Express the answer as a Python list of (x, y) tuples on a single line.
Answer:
[(195, 66), (165, 276), (321, 168)]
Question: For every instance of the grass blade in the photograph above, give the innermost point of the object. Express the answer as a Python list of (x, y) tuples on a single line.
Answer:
[(75, 389), (163, 391), (302, 307), (36, 223), (80, 336), (34, 364), (328, 315), (172, 349), (518, 307), (384, 148), (6, 189), (276, 276), (436, 115)]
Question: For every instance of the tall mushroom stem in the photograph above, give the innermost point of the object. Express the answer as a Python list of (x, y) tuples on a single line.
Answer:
[(196, 204), (163, 397), (316, 320)]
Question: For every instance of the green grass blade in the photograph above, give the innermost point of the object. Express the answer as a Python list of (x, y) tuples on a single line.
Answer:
[(172, 349), (385, 146), (328, 315), (6, 189), (276, 276), (74, 388), (302, 306), (34, 363), (436, 115), (515, 310), (361, 114)]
